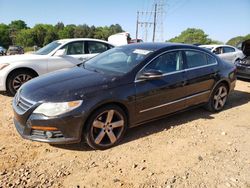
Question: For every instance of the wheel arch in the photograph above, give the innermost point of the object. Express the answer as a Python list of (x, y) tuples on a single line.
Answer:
[(20, 69), (223, 81)]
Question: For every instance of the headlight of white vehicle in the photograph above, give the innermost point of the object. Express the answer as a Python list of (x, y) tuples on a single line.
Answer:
[(2, 66), (54, 109)]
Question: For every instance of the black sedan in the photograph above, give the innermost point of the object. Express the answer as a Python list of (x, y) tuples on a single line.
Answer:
[(123, 87)]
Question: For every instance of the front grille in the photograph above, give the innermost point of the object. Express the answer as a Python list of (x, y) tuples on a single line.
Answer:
[(22, 103), (42, 134)]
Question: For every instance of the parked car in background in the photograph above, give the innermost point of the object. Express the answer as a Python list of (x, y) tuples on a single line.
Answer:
[(243, 66), (14, 50), (135, 41), (66, 53), (225, 52), (3, 51), (120, 88)]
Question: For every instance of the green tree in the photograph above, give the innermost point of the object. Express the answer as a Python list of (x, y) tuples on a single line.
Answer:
[(26, 38), (81, 31), (15, 27), (44, 34), (192, 36), (236, 40), (18, 25), (5, 39), (51, 34), (67, 32)]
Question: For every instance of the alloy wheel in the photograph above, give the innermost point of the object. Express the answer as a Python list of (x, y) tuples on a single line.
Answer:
[(107, 128), (20, 80), (220, 97)]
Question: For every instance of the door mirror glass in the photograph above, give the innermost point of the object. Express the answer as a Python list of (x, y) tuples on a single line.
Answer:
[(150, 75), (60, 52)]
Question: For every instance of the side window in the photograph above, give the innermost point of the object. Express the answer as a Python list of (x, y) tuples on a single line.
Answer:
[(218, 50), (97, 47), (74, 48), (167, 63), (195, 59), (211, 60), (228, 49)]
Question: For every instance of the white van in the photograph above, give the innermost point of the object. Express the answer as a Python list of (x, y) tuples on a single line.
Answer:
[(119, 39)]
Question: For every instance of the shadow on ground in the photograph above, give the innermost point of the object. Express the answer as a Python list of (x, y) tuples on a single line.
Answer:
[(237, 98)]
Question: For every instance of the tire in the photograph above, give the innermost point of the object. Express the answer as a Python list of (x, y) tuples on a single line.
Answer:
[(218, 98), (16, 79), (106, 127)]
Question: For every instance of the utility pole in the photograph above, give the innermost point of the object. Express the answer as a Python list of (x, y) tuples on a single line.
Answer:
[(137, 23), (154, 22), (144, 24), (158, 12)]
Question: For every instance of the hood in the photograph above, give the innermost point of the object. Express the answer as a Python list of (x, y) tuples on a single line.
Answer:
[(66, 85), (246, 47), (18, 58)]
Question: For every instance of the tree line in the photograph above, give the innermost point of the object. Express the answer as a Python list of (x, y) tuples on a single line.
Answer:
[(198, 36), (18, 33)]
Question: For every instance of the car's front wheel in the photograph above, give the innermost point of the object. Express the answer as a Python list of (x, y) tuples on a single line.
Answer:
[(17, 79), (218, 98), (105, 127)]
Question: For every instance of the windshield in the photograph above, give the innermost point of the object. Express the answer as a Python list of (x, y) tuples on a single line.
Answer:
[(48, 48), (117, 61)]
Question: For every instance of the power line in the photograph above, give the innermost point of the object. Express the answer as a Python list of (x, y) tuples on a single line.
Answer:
[(155, 18)]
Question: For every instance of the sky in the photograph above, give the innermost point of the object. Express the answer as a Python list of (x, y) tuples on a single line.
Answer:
[(220, 19)]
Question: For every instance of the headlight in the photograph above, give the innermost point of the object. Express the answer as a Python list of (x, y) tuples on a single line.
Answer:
[(2, 66), (54, 109)]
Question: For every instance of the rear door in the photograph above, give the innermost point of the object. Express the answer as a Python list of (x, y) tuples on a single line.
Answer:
[(201, 72), (164, 95), (94, 48), (228, 54)]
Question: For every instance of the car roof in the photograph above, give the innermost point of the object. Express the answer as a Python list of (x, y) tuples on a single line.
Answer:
[(154, 46), (81, 39), (216, 45)]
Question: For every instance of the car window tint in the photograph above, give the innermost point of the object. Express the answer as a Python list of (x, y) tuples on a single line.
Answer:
[(97, 47), (195, 59), (211, 60), (167, 63), (228, 49), (74, 48)]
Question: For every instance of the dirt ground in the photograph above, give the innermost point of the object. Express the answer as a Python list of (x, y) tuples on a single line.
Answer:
[(191, 149)]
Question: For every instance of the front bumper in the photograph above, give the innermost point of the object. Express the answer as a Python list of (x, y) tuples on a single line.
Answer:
[(68, 127), (2, 82)]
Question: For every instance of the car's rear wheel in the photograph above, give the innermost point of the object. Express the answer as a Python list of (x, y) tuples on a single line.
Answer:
[(218, 98), (106, 127), (17, 79)]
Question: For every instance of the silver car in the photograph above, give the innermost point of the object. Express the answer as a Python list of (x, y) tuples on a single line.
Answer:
[(225, 52)]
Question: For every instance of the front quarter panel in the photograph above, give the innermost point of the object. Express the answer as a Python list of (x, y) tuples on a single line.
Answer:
[(40, 66)]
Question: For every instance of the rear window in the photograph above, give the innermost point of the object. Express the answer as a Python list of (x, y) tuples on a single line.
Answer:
[(197, 59)]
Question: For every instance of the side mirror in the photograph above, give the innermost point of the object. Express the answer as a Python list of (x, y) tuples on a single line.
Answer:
[(60, 52), (150, 75)]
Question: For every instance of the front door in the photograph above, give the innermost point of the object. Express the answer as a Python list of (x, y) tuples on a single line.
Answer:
[(74, 55), (164, 95)]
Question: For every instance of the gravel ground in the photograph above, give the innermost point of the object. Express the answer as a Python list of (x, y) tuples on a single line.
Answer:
[(191, 149)]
